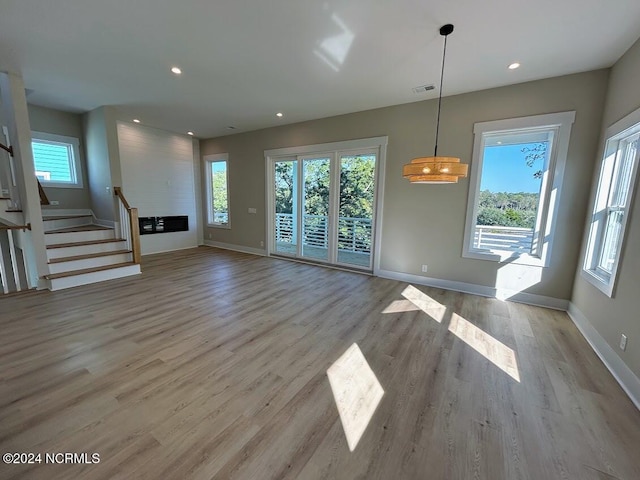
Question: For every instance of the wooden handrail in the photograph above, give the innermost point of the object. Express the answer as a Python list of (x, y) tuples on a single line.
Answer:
[(134, 228), (118, 192), (44, 200), (16, 227), (9, 150)]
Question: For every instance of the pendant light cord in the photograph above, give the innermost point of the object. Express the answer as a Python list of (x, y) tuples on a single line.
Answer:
[(444, 54)]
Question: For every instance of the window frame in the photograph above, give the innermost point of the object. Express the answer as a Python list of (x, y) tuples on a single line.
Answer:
[(75, 164), (209, 161), (595, 237), (559, 124)]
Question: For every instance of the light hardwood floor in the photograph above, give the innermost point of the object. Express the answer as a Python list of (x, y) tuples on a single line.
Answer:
[(213, 364)]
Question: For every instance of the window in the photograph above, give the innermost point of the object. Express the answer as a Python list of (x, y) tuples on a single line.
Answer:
[(516, 175), (612, 202), (217, 175), (57, 160)]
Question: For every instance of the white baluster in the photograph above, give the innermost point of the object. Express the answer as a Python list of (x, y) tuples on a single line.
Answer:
[(14, 261), (3, 268)]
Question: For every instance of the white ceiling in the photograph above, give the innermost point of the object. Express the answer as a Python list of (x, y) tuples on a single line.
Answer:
[(245, 60)]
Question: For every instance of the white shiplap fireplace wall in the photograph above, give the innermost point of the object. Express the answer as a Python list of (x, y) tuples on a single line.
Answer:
[(158, 179)]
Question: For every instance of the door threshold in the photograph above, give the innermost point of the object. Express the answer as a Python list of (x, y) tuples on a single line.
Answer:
[(344, 268)]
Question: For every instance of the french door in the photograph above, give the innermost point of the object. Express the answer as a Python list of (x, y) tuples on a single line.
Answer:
[(324, 207)]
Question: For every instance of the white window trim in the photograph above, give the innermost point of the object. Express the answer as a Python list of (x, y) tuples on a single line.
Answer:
[(77, 164), (208, 160), (607, 283), (561, 123)]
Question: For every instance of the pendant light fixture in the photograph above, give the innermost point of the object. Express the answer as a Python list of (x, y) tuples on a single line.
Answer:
[(436, 169)]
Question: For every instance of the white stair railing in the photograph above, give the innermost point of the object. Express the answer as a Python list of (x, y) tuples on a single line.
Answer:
[(12, 266), (8, 186), (129, 228)]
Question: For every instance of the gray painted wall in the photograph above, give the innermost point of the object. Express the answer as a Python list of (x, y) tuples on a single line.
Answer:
[(424, 224), (68, 124), (98, 164), (613, 316)]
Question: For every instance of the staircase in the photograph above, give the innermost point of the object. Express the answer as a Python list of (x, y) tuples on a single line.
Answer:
[(80, 252)]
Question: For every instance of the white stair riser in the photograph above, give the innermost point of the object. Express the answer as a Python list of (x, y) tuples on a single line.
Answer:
[(65, 223), (83, 236), (94, 277), (85, 249), (89, 263), (17, 218)]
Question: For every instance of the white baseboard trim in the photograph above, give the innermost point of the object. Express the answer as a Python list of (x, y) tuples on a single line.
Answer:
[(104, 223), (620, 371), (482, 290), (190, 247), (48, 211), (236, 248)]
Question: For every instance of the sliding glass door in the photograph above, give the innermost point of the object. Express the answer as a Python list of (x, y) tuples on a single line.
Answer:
[(285, 224), (315, 208), (324, 207), (356, 209)]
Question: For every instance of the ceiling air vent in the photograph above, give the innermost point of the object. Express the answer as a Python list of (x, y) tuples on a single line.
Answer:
[(423, 88)]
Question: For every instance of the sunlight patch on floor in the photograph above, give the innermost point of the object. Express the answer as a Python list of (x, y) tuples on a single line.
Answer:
[(400, 306), (492, 349), (356, 391), (424, 302)]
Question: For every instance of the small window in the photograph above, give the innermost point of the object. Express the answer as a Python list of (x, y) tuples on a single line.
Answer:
[(515, 181), (612, 203), (57, 160), (217, 175)]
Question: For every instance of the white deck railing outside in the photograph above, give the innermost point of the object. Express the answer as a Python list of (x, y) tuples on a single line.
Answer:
[(513, 239), (354, 234)]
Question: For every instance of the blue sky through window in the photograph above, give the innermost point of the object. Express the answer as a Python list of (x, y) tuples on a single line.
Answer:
[(219, 167), (504, 169)]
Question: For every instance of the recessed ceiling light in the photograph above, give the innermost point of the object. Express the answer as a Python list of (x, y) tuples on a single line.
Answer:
[(190, 133), (279, 114), (176, 70), (135, 120), (514, 65)]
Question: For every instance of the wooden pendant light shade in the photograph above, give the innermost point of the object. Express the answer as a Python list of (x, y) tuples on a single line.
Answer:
[(436, 169)]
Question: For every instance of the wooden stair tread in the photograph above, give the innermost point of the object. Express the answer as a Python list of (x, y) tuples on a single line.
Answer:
[(5, 198), (63, 217), (87, 256), (88, 242), (78, 228), (53, 276), (13, 210)]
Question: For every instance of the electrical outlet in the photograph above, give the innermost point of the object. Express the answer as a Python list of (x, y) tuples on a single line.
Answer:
[(209, 236), (261, 243), (623, 342), (424, 268), (54, 202), (252, 210)]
